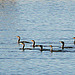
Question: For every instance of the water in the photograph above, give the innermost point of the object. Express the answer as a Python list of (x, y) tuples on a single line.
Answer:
[(47, 22)]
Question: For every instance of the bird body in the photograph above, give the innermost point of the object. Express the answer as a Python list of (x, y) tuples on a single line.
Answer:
[(24, 46), (21, 41), (54, 50), (63, 45), (41, 48), (34, 44)]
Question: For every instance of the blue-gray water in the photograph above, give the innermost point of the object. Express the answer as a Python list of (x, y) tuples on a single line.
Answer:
[(45, 21)]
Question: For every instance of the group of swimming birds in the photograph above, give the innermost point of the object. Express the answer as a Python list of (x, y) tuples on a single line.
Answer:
[(41, 46)]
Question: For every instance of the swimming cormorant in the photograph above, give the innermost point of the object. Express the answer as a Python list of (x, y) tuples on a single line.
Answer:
[(21, 41)]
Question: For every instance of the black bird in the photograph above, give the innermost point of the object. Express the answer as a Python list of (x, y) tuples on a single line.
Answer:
[(74, 39), (21, 41), (34, 44), (54, 50), (24, 46), (63, 45)]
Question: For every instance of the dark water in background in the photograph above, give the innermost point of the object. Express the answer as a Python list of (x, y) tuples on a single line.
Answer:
[(47, 22)]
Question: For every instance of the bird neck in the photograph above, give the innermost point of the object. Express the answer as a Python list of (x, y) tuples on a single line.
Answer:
[(74, 41), (41, 48), (62, 45), (34, 44), (51, 49), (23, 46), (18, 40)]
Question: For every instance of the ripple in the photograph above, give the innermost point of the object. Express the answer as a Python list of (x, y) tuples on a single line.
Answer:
[(20, 30), (3, 30)]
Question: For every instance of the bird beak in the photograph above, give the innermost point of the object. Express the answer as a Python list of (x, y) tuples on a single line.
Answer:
[(32, 40), (60, 41), (17, 36)]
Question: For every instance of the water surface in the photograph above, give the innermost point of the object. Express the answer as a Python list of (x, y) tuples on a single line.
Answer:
[(47, 22)]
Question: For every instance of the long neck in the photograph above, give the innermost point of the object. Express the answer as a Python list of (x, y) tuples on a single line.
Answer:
[(51, 49), (74, 41), (23, 46), (62, 45), (33, 44), (18, 40), (41, 48)]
